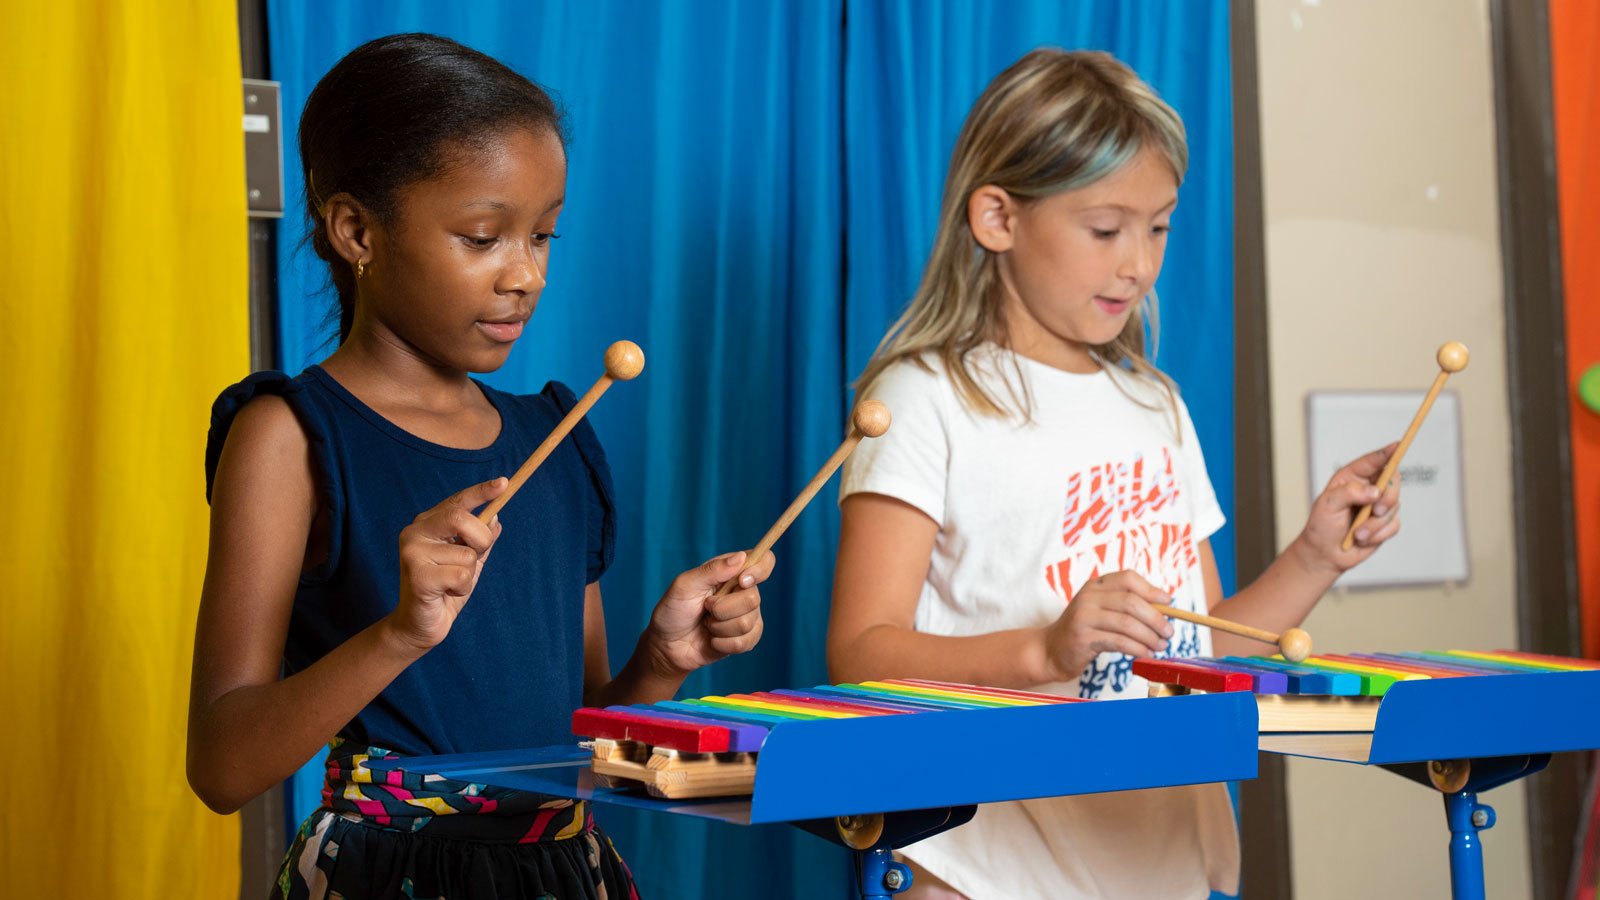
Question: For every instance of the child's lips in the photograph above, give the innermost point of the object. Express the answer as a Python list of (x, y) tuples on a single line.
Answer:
[(1111, 305), (504, 332)]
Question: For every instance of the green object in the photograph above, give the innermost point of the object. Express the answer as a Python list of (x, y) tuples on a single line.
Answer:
[(1589, 388)]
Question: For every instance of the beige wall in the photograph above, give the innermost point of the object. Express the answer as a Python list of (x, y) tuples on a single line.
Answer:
[(1378, 142)]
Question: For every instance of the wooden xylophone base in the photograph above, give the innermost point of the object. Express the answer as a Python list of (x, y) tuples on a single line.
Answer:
[(671, 774), (1299, 713)]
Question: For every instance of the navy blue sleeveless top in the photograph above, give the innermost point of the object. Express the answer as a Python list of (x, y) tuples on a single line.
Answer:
[(510, 673)]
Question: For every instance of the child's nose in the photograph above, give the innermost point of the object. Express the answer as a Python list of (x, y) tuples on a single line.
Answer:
[(523, 273), (1140, 262)]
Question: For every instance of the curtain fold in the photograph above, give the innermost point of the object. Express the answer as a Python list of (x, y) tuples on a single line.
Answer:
[(123, 240)]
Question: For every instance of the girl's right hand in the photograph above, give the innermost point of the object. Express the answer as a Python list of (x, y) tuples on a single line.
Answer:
[(442, 553), (1111, 613)]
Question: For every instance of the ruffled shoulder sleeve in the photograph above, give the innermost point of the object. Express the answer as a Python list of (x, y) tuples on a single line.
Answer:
[(325, 467), (226, 409)]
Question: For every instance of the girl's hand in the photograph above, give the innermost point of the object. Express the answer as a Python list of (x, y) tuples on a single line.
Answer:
[(442, 553), (1350, 488), (691, 627), (1111, 613)]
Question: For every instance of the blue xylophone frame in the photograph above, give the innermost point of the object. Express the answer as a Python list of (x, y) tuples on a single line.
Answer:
[(1504, 726), (924, 772)]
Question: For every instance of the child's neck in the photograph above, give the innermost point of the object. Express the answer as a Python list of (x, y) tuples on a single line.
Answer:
[(1051, 350), (1029, 338), (439, 405)]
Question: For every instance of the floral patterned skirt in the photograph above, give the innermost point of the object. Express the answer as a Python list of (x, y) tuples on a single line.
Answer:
[(402, 834)]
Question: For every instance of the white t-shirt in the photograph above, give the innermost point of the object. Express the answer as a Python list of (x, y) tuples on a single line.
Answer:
[(1028, 513)]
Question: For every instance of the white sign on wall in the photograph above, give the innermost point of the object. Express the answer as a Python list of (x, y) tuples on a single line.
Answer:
[(1432, 544)]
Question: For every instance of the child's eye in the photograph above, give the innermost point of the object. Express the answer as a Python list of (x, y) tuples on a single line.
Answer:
[(478, 241), (1105, 234), (543, 238), (1161, 229)]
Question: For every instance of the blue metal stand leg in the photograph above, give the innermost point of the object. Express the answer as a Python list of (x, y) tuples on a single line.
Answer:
[(880, 877), (1467, 817), (1460, 781), (876, 876)]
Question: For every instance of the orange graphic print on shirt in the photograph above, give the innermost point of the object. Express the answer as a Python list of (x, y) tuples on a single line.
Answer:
[(1126, 515)]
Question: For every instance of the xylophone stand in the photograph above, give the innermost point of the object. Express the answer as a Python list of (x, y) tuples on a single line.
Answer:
[(873, 838), (1460, 781), (1466, 817), (878, 876)]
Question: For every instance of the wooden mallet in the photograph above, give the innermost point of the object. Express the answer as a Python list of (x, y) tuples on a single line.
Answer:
[(1294, 643), (624, 362), (1452, 358), (870, 419)]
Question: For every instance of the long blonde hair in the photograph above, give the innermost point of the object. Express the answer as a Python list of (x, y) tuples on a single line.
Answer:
[(1054, 121)]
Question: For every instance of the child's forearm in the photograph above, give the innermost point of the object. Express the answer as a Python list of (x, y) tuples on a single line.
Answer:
[(646, 678), (1010, 659), (254, 736), (1279, 599)]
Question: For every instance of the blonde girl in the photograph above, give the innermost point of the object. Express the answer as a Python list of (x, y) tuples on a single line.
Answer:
[(1043, 483)]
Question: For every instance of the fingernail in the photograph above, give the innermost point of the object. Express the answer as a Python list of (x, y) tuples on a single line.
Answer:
[(1361, 534), (1168, 632), (747, 580), (730, 559), (494, 520), (1380, 509)]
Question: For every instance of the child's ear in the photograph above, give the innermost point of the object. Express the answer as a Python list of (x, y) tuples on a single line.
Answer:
[(992, 216), (349, 226)]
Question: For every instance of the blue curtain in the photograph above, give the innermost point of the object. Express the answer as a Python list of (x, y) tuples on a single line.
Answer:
[(726, 156)]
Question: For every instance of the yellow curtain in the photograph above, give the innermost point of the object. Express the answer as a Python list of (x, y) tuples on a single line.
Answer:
[(123, 272)]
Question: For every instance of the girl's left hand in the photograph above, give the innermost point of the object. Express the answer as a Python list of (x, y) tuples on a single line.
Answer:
[(691, 627), (1351, 488)]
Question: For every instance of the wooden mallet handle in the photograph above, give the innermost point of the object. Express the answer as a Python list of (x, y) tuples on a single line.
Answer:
[(1452, 357), (624, 362), (870, 419), (1294, 643)]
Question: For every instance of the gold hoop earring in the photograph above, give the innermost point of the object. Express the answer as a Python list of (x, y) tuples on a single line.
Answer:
[(361, 269)]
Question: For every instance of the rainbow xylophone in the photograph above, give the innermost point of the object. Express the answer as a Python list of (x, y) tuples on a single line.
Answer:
[(1460, 722), (947, 754), (1336, 691), (708, 747), (911, 759)]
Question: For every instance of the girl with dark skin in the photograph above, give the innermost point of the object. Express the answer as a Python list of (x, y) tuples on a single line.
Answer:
[(440, 250)]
